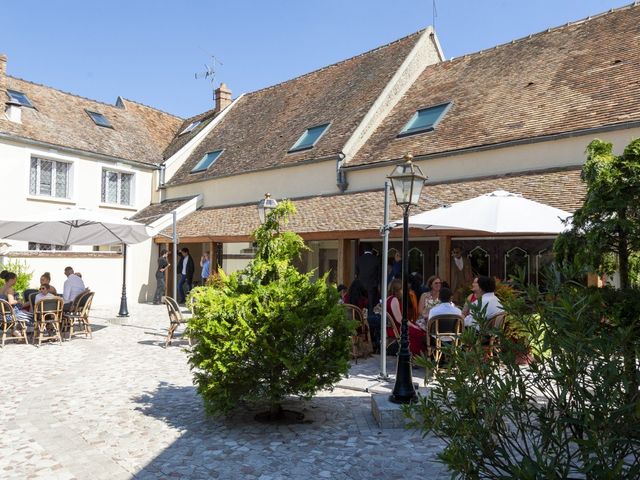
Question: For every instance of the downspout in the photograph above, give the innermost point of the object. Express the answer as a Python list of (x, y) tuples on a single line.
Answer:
[(341, 175)]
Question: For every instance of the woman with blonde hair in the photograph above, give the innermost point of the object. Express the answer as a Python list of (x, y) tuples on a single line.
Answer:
[(45, 279)]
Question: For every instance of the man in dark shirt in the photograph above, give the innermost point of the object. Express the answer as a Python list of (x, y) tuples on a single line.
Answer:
[(368, 272), (186, 268)]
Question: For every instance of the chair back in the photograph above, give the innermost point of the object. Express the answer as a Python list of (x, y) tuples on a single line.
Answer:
[(353, 312), (391, 323), (175, 315), (497, 321), (49, 308), (26, 295), (445, 325), (32, 300), (6, 311), (84, 304)]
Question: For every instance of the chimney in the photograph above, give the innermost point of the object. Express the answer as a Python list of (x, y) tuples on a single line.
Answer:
[(222, 98), (13, 111), (3, 77)]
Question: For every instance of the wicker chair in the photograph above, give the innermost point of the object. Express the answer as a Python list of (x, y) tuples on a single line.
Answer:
[(175, 319), (79, 314), (16, 327), (393, 325), (447, 328), (361, 345), (47, 317), (492, 343)]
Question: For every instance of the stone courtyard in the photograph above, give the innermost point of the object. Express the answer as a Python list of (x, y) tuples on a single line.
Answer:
[(120, 406)]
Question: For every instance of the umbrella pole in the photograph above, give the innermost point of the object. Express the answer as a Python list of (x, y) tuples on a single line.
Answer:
[(124, 311), (385, 254)]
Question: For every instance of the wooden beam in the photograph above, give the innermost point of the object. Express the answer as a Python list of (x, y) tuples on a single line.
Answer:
[(444, 258), (345, 273)]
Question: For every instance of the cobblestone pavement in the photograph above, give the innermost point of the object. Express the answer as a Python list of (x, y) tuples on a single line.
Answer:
[(120, 406)]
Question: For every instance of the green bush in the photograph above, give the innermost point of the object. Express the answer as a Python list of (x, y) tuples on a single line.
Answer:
[(566, 415), (268, 331), (20, 269)]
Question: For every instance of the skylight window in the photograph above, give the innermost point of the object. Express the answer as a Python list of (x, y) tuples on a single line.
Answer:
[(20, 98), (425, 120), (190, 127), (309, 138), (206, 161), (99, 119)]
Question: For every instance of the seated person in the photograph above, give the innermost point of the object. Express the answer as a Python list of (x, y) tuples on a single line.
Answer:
[(45, 279), (342, 290), (43, 292), (471, 298), (417, 336), (446, 306), (9, 293), (357, 294), (487, 300), (73, 286)]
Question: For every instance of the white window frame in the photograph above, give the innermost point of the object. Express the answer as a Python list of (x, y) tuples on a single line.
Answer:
[(54, 165), (120, 173)]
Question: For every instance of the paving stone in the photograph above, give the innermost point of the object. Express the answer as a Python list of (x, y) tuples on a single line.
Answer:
[(120, 406)]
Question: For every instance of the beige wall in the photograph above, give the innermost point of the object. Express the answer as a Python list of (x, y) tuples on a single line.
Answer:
[(520, 158), (289, 182)]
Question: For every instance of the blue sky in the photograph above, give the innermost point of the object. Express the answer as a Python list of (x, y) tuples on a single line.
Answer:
[(149, 51)]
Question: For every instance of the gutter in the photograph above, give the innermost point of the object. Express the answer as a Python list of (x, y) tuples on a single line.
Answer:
[(493, 146), (75, 151)]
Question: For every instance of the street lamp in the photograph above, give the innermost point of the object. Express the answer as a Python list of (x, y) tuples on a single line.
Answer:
[(407, 181), (265, 206)]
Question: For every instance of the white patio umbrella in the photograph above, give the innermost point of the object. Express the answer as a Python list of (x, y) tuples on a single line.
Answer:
[(496, 212), (77, 226), (73, 226)]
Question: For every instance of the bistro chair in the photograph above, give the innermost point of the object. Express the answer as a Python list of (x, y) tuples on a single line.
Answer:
[(16, 328), (79, 314), (47, 319), (442, 328), (175, 319), (395, 328), (492, 341), (361, 345)]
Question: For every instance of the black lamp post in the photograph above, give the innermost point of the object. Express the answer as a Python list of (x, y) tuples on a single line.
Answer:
[(265, 206), (407, 181), (124, 311)]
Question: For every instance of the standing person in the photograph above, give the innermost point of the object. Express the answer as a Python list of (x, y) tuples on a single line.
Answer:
[(461, 273), (186, 268), (205, 264), (163, 264), (368, 272), (73, 286)]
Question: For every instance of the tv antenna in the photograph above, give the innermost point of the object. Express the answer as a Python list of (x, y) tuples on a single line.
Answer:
[(434, 13), (209, 70)]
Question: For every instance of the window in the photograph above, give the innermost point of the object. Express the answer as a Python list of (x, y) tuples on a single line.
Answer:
[(19, 97), (99, 119), (309, 138), (49, 178), (206, 161), (425, 120), (47, 247), (117, 187), (190, 127)]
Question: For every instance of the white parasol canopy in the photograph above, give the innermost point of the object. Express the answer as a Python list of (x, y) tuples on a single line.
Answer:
[(73, 226), (496, 212)]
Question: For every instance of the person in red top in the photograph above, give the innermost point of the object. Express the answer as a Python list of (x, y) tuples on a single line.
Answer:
[(475, 290), (417, 336)]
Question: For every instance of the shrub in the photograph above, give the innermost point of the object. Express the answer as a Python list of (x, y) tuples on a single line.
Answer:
[(566, 415), (268, 331)]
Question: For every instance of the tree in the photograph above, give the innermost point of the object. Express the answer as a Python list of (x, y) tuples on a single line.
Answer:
[(268, 331), (605, 231)]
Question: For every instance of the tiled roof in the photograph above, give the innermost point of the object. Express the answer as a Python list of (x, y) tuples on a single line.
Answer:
[(179, 141), (364, 210), (262, 126), (139, 133), (153, 212), (575, 77)]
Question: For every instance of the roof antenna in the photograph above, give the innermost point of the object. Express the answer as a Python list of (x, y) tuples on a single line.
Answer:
[(434, 13), (209, 70)]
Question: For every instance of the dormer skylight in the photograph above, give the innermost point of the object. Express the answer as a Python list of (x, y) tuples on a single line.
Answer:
[(309, 138), (20, 98), (99, 119), (206, 161), (190, 127), (425, 120)]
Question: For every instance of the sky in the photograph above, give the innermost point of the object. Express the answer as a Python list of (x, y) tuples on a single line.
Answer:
[(150, 50)]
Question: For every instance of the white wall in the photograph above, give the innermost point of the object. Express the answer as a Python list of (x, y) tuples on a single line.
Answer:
[(102, 274)]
